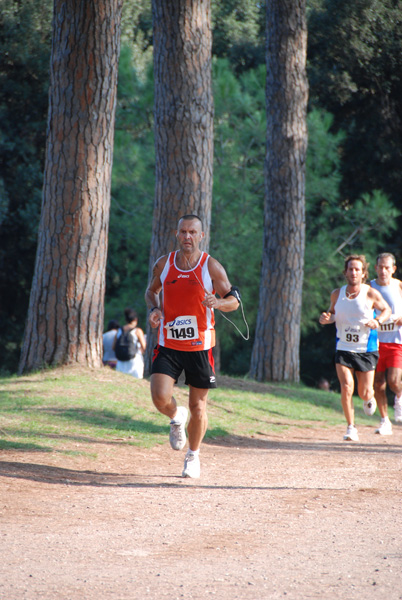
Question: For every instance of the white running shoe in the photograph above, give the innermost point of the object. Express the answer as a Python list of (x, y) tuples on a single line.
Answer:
[(192, 467), (351, 434), (369, 407), (398, 410), (385, 427), (177, 436)]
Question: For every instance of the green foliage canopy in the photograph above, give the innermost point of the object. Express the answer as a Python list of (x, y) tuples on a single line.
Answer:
[(353, 163), (354, 68), (334, 228), (132, 192), (25, 35)]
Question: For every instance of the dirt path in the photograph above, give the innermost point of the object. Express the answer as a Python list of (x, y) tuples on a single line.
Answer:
[(299, 515)]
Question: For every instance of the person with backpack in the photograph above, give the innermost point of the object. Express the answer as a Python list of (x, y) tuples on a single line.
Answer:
[(109, 357), (129, 346)]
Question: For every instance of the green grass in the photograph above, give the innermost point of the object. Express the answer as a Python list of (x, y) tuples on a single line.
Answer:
[(72, 411)]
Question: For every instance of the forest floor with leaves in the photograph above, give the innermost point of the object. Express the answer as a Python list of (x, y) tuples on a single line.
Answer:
[(297, 515)]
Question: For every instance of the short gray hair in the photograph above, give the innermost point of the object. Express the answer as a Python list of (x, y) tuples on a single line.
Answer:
[(386, 255)]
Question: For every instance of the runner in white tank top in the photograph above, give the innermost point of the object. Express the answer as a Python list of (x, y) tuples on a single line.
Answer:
[(351, 318), (389, 367), (352, 308), (390, 332)]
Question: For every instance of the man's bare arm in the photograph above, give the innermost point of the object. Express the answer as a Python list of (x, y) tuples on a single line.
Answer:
[(328, 317), (153, 291), (380, 305), (222, 287), (398, 318)]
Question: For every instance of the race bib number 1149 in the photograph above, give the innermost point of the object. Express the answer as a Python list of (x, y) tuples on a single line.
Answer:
[(182, 328)]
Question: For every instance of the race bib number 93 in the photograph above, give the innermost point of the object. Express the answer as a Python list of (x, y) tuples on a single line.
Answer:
[(351, 335), (182, 328)]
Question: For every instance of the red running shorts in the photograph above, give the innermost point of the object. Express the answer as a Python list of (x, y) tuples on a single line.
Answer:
[(390, 356)]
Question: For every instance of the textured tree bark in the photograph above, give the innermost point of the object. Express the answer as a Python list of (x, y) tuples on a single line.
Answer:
[(183, 120), (275, 355), (65, 316)]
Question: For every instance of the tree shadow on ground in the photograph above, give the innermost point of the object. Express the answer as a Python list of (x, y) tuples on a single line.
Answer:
[(236, 441), (49, 474), (75, 478)]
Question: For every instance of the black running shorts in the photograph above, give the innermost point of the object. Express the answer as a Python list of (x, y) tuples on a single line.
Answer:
[(359, 361), (198, 366)]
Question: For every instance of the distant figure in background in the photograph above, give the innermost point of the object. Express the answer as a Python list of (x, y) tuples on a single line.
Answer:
[(109, 357), (136, 339), (323, 384)]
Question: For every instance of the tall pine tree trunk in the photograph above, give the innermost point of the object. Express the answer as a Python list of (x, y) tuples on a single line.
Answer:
[(183, 119), (275, 355), (65, 317)]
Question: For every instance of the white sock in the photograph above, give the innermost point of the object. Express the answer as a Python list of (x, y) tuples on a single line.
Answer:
[(179, 417), (195, 452)]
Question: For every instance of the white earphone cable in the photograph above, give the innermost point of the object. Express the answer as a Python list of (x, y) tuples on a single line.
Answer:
[(245, 337)]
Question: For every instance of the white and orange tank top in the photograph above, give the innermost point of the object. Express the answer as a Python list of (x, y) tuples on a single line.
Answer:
[(186, 324), (351, 316)]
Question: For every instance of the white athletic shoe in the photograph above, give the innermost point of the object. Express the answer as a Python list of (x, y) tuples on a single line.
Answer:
[(369, 407), (177, 436), (385, 427), (398, 410), (351, 434), (192, 467)]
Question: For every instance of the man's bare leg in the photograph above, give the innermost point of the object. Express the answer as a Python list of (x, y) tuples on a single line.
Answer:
[(345, 376), (162, 397), (162, 394), (196, 429), (380, 386), (394, 379), (198, 423)]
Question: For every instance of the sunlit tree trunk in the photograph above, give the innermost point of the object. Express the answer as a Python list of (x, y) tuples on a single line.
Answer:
[(183, 119), (275, 354), (65, 317)]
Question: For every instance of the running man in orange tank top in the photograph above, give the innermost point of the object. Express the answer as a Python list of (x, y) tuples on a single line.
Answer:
[(181, 301)]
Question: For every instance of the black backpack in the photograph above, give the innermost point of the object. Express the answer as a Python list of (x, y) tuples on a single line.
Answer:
[(126, 347)]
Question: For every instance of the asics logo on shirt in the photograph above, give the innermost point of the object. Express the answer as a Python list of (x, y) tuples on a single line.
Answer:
[(178, 322)]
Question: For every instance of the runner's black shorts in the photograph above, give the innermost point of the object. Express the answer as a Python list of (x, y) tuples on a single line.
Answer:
[(198, 366), (359, 361)]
